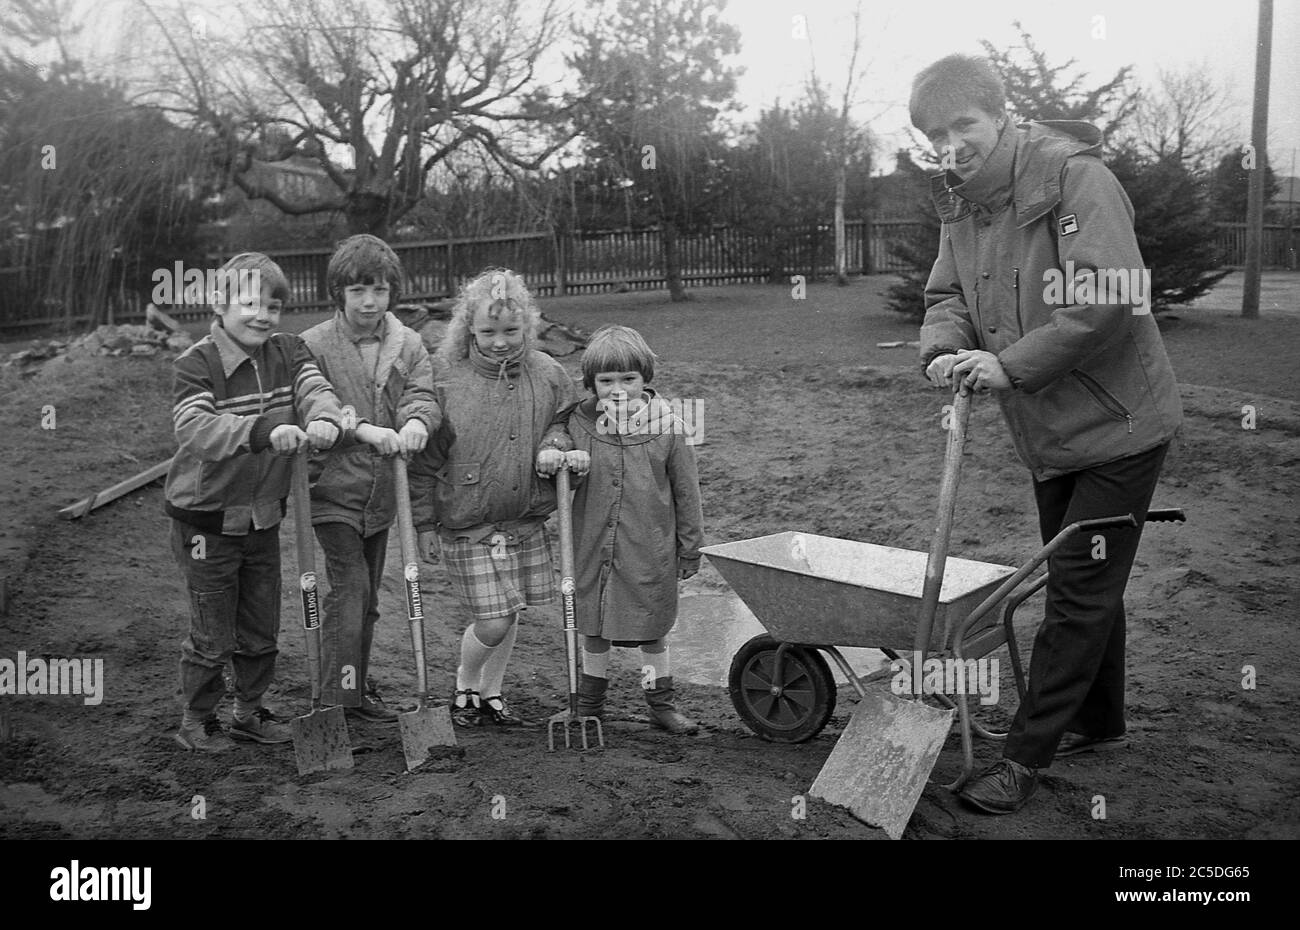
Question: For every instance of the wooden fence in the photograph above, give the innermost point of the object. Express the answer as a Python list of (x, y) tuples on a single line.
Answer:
[(1279, 246), (608, 260), (595, 262), (577, 263)]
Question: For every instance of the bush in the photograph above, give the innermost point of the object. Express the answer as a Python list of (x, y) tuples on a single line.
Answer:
[(1174, 226), (919, 248), (1172, 221)]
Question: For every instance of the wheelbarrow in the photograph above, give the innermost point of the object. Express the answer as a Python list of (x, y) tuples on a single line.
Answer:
[(815, 594)]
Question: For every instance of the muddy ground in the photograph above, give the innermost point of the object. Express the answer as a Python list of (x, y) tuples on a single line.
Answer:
[(808, 426)]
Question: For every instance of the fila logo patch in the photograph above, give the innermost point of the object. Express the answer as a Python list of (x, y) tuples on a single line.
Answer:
[(1068, 224)]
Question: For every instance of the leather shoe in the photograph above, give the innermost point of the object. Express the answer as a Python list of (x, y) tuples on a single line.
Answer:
[(373, 709), (501, 716), (1002, 788), (1075, 743)]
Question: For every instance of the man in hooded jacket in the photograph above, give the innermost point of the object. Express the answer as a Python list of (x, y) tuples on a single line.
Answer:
[(1039, 296)]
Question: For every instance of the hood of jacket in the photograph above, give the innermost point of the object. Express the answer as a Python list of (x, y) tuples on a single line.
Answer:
[(1024, 167), (654, 419)]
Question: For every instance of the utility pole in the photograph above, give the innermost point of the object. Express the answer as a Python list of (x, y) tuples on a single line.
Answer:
[(1259, 142), (1290, 214)]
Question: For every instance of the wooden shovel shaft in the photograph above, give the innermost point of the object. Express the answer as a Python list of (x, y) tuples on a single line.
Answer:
[(564, 508), (307, 586), (411, 574), (934, 567)]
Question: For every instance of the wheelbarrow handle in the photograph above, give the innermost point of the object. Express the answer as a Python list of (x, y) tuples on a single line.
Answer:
[(1003, 590), (1101, 523)]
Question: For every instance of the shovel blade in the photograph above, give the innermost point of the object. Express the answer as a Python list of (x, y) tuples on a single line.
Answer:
[(320, 741), (422, 729), (883, 760)]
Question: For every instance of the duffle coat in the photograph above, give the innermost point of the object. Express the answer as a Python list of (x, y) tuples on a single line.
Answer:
[(636, 520)]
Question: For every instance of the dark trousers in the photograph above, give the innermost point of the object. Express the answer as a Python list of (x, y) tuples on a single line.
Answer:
[(1076, 675), (234, 592), (355, 567)]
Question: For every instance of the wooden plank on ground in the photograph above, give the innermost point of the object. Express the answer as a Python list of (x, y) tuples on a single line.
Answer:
[(108, 495)]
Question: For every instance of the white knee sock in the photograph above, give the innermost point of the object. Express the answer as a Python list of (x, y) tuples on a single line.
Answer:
[(494, 669), (654, 661), (595, 664), (473, 655)]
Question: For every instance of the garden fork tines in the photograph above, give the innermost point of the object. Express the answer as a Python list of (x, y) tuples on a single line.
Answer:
[(567, 589), (565, 719)]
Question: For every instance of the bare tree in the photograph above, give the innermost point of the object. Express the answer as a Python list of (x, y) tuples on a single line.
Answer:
[(28, 23), (1184, 117), (82, 215), (847, 141), (399, 86), (850, 139)]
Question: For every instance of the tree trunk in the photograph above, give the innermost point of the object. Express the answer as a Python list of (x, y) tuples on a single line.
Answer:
[(841, 246), (367, 213), (672, 260)]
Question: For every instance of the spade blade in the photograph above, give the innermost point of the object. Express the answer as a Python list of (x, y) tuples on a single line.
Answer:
[(883, 760), (320, 741), (422, 729)]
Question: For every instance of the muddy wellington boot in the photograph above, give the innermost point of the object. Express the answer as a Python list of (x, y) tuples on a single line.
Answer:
[(591, 695), (663, 713)]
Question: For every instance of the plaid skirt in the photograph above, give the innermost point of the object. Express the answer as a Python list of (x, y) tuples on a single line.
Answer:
[(501, 575)]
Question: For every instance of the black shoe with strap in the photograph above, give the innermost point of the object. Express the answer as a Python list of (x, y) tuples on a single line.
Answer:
[(494, 710), (465, 707)]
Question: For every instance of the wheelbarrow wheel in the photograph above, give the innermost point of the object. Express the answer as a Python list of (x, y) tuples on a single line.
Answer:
[(791, 710)]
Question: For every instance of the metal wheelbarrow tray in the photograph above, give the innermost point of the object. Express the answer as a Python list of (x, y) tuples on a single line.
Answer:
[(816, 593), (817, 590)]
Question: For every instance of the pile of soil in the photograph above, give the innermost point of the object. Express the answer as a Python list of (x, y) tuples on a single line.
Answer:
[(126, 339)]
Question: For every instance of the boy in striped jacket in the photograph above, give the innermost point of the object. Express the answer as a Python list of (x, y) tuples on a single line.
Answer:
[(241, 393)]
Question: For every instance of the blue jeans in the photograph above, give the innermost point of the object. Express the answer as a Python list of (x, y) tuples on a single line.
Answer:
[(234, 613), (355, 567)]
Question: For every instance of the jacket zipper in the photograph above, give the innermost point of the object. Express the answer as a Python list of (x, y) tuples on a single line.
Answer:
[(1015, 285), (1107, 400)]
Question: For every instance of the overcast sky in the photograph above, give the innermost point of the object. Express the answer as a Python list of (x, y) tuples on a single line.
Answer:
[(902, 37)]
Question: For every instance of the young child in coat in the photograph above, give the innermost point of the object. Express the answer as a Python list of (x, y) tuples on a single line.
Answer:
[(380, 369), (240, 394), (478, 488), (637, 521)]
